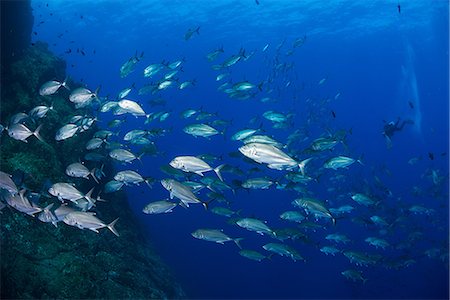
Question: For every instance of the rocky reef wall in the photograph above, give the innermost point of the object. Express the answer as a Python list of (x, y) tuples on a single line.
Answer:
[(16, 26), (39, 260)]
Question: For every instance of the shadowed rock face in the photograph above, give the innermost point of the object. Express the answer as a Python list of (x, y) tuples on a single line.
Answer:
[(16, 26), (37, 259)]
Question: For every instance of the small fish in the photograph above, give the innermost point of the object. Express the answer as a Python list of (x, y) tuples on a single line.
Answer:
[(51, 87), (186, 84), (283, 250), (123, 155), (214, 54), (293, 216), (78, 170), (20, 202), (338, 238), (159, 207), (130, 65), (67, 131), (202, 130), (181, 192), (40, 111), (20, 132), (131, 107), (152, 70), (18, 118), (66, 191), (214, 235), (113, 186), (7, 184), (251, 254), (256, 225), (329, 250), (47, 216), (82, 96), (195, 165), (190, 32), (339, 162), (88, 220), (95, 143), (257, 183), (353, 275), (131, 177), (123, 93)]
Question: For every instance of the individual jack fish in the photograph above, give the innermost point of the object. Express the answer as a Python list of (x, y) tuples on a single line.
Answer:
[(314, 207), (82, 97), (88, 220), (20, 132), (214, 235), (159, 207), (255, 225), (78, 170), (181, 192), (7, 184), (22, 204), (195, 165), (131, 177), (190, 32), (66, 191), (131, 107), (339, 162), (67, 131), (272, 156), (283, 250), (202, 130), (51, 87)]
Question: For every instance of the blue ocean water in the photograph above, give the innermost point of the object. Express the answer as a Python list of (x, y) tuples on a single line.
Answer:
[(361, 62)]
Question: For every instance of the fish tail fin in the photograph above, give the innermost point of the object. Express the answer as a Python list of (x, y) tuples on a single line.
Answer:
[(182, 204), (88, 196), (359, 160), (100, 199), (198, 30), (302, 165), (148, 181), (217, 171), (64, 84), (238, 241), (48, 207), (96, 92), (139, 158), (260, 85), (37, 135), (111, 227), (92, 173), (206, 205)]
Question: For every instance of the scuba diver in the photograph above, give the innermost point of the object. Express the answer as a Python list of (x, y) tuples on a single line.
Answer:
[(391, 127)]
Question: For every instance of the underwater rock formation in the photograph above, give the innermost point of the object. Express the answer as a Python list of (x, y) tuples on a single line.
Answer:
[(39, 260)]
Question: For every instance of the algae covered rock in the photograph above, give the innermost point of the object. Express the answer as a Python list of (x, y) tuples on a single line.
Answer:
[(39, 260)]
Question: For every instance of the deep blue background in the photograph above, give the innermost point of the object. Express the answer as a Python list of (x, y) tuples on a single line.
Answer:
[(360, 47)]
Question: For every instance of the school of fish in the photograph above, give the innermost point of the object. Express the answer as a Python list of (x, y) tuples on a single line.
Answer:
[(298, 159)]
